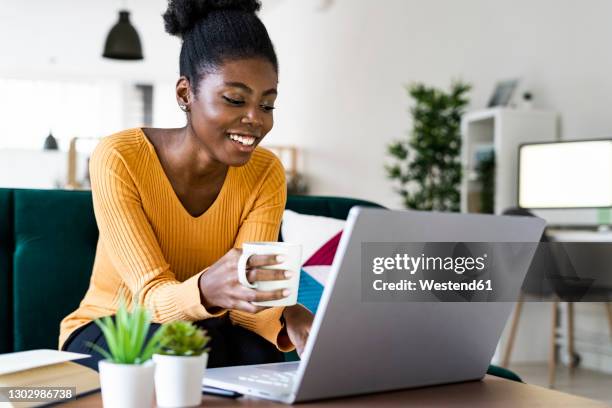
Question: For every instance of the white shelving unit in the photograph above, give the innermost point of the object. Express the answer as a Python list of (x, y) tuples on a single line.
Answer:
[(502, 130)]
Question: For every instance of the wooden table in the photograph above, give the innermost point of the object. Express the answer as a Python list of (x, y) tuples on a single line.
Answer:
[(491, 392)]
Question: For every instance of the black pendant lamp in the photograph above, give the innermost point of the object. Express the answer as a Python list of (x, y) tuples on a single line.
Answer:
[(50, 142), (122, 42)]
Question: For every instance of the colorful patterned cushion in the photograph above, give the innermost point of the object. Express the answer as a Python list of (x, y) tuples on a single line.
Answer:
[(314, 273), (310, 292), (310, 231)]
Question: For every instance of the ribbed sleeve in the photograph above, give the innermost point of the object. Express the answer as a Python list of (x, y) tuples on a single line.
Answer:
[(263, 224), (150, 246)]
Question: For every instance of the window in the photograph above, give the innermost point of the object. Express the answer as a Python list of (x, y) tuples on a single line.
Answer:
[(31, 108)]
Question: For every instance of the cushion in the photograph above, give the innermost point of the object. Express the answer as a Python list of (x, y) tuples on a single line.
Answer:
[(315, 272), (311, 231), (310, 291), (319, 264), (326, 253), (319, 237), (55, 238)]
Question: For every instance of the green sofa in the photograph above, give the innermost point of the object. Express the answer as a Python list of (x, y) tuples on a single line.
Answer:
[(47, 247)]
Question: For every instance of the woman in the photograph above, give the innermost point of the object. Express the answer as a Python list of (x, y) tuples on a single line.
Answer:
[(174, 206)]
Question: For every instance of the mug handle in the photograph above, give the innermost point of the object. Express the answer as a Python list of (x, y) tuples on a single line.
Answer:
[(242, 263)]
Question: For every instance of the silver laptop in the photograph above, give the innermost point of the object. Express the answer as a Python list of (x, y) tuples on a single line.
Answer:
[(358, 347)]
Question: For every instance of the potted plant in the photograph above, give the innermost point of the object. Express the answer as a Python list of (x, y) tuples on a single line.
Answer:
[(127, 373), (180, 364), (427, 165)]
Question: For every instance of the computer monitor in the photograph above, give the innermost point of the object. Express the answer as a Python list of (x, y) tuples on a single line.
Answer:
[(572, 174)]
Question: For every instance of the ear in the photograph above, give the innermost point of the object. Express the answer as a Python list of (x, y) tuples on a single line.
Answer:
[(184, 96)]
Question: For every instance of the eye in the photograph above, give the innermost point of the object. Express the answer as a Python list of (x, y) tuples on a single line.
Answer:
[(232, 101), (267, 108)]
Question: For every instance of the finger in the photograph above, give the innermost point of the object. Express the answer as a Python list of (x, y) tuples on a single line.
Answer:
[(252, 295), (254, 275), (263, 296), (255, 261)]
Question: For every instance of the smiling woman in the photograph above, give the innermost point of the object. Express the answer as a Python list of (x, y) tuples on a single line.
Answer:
[(235, 103), (174, 206)]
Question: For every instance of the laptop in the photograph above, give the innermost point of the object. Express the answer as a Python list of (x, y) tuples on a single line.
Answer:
[(360, 347)]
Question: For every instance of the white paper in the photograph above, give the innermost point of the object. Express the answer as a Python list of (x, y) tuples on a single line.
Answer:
[(25, 360)]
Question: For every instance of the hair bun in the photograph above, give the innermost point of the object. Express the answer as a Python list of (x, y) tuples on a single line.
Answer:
[(182, 15)]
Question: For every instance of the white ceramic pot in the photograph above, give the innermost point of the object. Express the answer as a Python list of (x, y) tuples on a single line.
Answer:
[(127, 385), (178, 380)]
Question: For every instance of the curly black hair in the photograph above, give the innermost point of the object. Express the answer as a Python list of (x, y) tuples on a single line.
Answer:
[(214, 31)]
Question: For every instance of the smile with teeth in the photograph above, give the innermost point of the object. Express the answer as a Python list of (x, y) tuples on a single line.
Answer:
[(242, 139)]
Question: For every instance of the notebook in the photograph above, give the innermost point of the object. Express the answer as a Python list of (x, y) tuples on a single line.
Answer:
[(44, 368)]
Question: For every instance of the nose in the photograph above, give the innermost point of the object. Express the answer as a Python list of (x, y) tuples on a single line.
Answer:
[(253, 117)]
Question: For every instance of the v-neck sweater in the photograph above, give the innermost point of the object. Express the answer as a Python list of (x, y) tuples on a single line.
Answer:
[(151, 249)]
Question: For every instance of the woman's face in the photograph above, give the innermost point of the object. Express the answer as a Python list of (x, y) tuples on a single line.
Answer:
[(232, 109)]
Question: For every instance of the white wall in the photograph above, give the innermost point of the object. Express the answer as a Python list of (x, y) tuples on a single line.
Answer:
[(65, 39), (343, 71)]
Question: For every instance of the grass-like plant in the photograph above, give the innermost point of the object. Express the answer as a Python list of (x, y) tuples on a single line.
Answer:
[(180, 338), (126, 336)]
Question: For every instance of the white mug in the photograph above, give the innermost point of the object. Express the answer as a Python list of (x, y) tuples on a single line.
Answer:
[(292, 254)]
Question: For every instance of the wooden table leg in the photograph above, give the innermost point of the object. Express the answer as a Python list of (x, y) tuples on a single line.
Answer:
[(513, 328), (609, 309), (570, 336), (552, 353)]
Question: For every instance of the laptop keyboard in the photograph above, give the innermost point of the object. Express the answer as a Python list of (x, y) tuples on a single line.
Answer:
[(282, 379)]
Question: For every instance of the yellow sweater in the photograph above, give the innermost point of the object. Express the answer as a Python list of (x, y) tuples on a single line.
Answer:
[(150, 245)]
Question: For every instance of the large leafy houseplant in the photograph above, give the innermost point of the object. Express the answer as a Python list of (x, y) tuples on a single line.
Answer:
[(426, 165)]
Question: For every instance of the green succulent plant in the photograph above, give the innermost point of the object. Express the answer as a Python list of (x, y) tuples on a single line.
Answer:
[(126, 336), (180, 338)]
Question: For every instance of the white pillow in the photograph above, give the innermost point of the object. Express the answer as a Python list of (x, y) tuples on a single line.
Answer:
[(312, 231), (318, 272)]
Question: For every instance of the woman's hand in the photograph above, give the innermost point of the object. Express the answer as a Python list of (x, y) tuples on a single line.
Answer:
[(298, 321), (220, 288)]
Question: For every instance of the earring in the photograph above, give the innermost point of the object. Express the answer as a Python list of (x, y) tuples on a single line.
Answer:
[(184, 108)]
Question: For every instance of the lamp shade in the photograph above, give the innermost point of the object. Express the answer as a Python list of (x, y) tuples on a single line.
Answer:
[(50, 143), (122, 42)]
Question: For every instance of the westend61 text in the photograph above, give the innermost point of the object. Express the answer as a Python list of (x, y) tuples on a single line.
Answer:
[(429, 285)]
